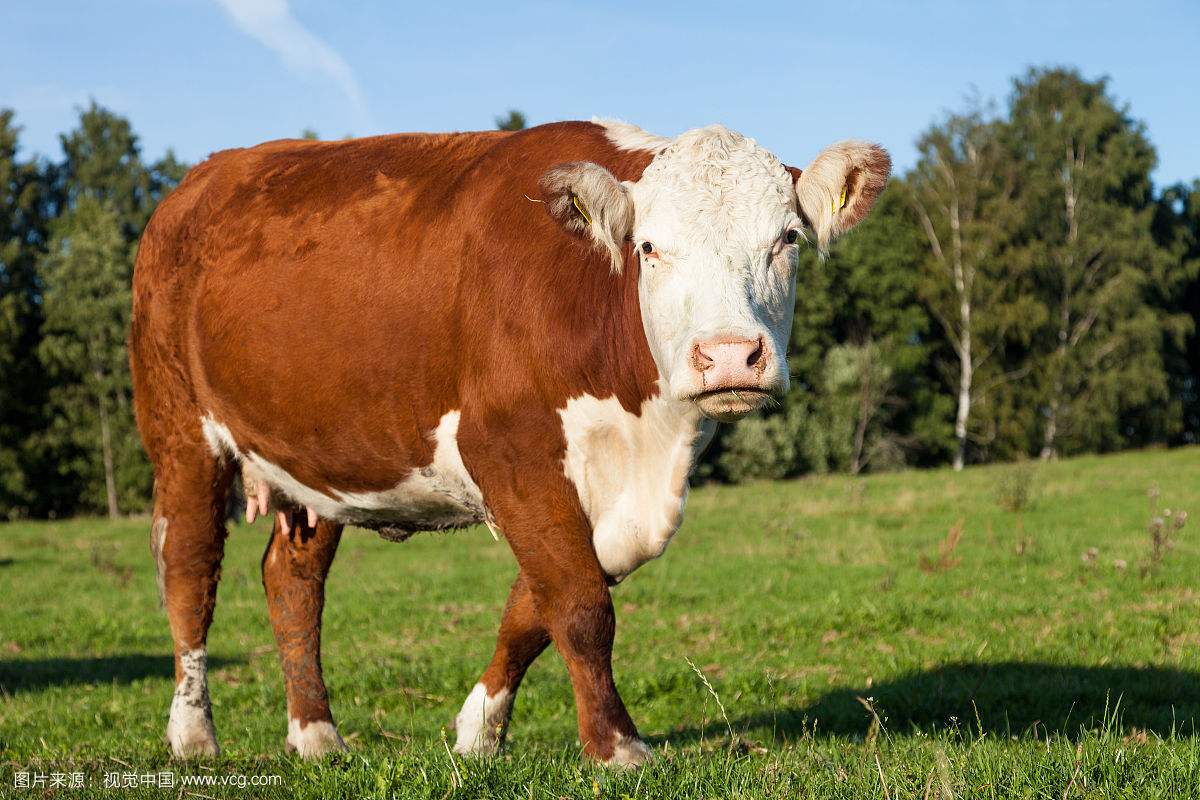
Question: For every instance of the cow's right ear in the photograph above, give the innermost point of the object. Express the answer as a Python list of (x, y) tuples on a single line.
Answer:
[(587, 200)]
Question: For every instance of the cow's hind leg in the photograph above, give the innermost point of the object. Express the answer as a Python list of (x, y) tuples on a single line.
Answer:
[(188, 541), (294, 568), (483, 721)]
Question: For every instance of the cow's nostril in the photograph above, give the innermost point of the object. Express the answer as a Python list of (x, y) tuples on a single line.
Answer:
[(753, 358), (700, 359)]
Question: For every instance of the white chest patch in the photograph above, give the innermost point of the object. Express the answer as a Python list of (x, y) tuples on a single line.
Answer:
[(631, 472), (438, 495)]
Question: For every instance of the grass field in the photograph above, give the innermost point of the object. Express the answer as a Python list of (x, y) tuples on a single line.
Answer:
[(856, 651)]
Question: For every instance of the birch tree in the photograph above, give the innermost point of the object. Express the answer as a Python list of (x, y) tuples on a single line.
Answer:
[(960, 187)]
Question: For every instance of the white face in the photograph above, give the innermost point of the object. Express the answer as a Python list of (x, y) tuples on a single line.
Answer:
[(715, 221), (717, 231)]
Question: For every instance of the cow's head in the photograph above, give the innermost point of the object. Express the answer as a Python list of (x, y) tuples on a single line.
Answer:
[(717, 222)]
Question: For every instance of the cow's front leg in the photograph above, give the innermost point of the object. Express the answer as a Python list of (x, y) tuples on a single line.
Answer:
[(483, 721), (294, 568), (571, 596), (538, 510)]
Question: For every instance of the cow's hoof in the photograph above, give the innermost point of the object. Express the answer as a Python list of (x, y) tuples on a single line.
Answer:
[(190, 730), (192, 738), (313, 739), (629, 753), (481, 723)]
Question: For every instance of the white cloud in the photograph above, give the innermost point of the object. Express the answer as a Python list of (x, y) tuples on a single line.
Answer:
[(272, 24)]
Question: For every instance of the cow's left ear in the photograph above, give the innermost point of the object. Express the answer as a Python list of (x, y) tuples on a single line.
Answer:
[(837, 190), (587, 200)]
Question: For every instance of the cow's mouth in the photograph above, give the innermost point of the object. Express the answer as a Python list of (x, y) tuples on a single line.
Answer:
[(730, 405)]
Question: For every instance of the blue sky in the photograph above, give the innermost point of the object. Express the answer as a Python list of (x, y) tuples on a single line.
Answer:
[(202, 75)]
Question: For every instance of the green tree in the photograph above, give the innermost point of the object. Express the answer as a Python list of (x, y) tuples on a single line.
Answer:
[(960, 188), (512, 121), (108, 193), (87, 308), (858, 387), (103, 160), (25, 206), (1086, 207), (1177, 228)]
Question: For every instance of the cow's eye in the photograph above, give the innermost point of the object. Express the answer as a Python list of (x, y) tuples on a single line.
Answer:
[(791, 236), (647, 248)]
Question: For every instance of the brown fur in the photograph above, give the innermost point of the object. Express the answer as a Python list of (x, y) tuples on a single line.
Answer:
[(294, 567)]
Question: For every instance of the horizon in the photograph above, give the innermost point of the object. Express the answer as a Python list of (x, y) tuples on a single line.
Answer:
[(248, 71)]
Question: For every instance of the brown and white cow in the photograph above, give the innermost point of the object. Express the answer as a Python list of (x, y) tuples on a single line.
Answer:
[(539, 330)]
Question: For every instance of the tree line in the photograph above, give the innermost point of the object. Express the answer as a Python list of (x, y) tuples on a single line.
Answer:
[(1023, 291)]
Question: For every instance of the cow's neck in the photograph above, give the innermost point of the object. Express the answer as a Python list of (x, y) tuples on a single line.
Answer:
[(630, 446)]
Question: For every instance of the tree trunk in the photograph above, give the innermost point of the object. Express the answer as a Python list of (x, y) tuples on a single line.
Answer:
[(1050, 433), (966, 367), (965, 375), (1049, 452), (1065, 340), (110, 481), (864, 415), (963, 283)]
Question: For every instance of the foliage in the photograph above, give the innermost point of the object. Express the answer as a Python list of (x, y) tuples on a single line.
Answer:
[(67, 438), (1164, 529), (512, 121), (1177, 229), (1017, 486), (961, 188), (25, 207), (87, 309), (1086, 207), (763, 447)]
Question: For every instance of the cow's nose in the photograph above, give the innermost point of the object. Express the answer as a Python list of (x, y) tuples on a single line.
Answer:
[(730, 363)]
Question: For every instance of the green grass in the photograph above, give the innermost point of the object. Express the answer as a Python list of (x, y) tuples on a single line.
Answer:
[(1027, 663)]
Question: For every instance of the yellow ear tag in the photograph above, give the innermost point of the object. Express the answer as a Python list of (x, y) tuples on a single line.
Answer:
[(841, 203), (579, 206)]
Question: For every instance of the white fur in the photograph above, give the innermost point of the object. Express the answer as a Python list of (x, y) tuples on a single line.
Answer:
[(630, 752), (482, 722), (220, 440), (314, 739), (190, 729), (627, 136), (158, 542), (442, 491), (630, 472), (715, 206)]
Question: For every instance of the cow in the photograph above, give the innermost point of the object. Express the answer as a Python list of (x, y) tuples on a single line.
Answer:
[(537, 330)]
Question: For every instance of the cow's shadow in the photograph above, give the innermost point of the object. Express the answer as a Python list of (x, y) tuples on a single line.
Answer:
[(36, 674), (1005, 699)]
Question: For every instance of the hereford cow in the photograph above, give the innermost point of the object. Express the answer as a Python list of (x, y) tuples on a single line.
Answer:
[(538, 330)]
